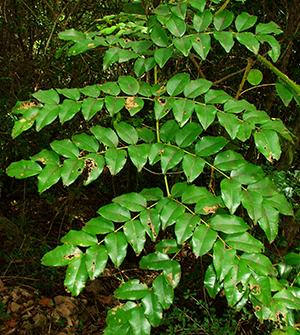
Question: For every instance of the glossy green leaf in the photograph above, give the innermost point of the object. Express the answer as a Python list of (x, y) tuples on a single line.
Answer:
[(254, 77), (176, 26), (245, 21), (198, 4), (179, 10), (86, 142), (268, 28), (115, 212), (256, 116), (225, 39), (284, 93), (126, 55), (68, 109), (146, 134), (49, 176), (192, 167), (249, 41), (170, 158), (134, 105), (94, 164), (143, 65), (98, 225), (135, 235), (115, 160), (114, 104), (155, 152), (46, 157), (231, 191), (265, 187), (223, 20), (183, 110), (170, 212), (65, 148), (168, 131), (252, 201), (172, 273), (269, 221), (79, 238), (228, 160), (71, 170), (216, 97), (203, 240), (46, 116), (154, 261), (163, 291), (267, 142), (70, 93), (274, 53), (201, 44), (162, 107), (119, 316), (228, 224), (62, 255), (23, 169), (201, 21), (90, 107), (279, 201), (230, 122), (167, 246), (278, 126), (111, 56), (50, 97), (92, 91), (245, 130), (105, 135), (247, 174), (127, 132), (116, 245), (176, 84), (223, 259), (188, 134), (152, 309), (183, 44), (129, 85), (150, 220), (237, 106), (140, 47), (76, 276), (209, 145), (96, 259), (162, 55), (71, 34), (196, 87), (132, 290), (138, 321), (139, 155), (184, 226), (193, 194), (259, 263), (208, 204), (111, 88), (288, 298), (152, 194), (210, 281), (178, 189), (159, 36), (245, 242), (132, 201), (24, 123), (206, 114)]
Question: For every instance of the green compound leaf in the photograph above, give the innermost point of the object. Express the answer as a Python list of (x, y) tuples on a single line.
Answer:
[(206, 114), (284, 93), (193, 194), (245, 130), (184, 226), (46, 116), (225, 39), (143, 65), (139, 155), (223, 20), (231, 191), (279, 201), (162, 107), (170, 158), (135, 235), (105, 135), (138, 322), (119, 316), (230, 122), (252, 201), (111, 56), (247, 174), (201, 21), (269, 221), (134, 105), (216, 97), (159, 36), (79, 238), (111, 88), (274, 53), (268, 28), (151, 222), (115, 160), (288, 298), (265, 187), (115, 212), (154, 261), (132, 290), (95, 260), (152, 194), (155, 152), (46, 157), (71, 170), (245, 242), (245, 21), (249, 41), (176, 84), (127, 133), (223, 259), (192, 167), (23, 169), (198, 4), (146, 134), (76, 276), (65, 148), (162, 55), (94, 164), (128, 85), (210, 281), (188, 134), (62, 255), (228, 224), (209, 145), (208, 204), (49, 176), (50, 97), (90, 107), (267, 142), (172, 273), (259, 263), (228, 160), (116, 245), (68, 109), (237, 106), (167, 246), (92, 91), (203, 240), (98, 225), (254, 77), (163, 291), (26, 122), (179, 10), (114, 104), (196, 87), (176, 26), (278, 126), (86, 142), (201, 44), (168, 131), (152, 309), (170, 212), (72, 35), (140, 47), (183, 44), (132, 201), (183, 110), (70, 93)]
